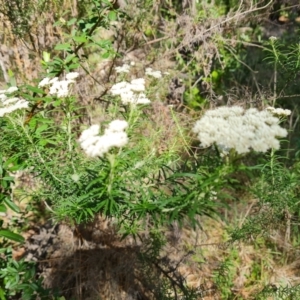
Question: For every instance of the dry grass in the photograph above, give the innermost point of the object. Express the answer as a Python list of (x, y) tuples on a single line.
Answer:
[(91, 262)]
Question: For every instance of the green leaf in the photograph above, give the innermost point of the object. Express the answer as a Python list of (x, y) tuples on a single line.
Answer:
[(112, 15), (45, 142), (57, 61), (2, 208), (71, 22), (11, 236), (80, 39), (69, 58), (64, 46), (2, 294), (12, 79), (73, 66), (41, 128), (46, 56), (89, 25), (105, 55), (11, 205), (8, 178), (34, 89)]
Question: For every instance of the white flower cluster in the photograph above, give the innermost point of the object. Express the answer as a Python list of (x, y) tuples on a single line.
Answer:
[(9, 104), (123, 69), (131, 93), (59, 88), (239, 129), (114, 136), (155, 74), (273, 38), (279, 111)]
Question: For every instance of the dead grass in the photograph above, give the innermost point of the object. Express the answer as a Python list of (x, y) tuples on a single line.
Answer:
[(91, 262)]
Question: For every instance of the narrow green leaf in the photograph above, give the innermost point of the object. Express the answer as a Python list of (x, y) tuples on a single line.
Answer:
[(69, 58), (8, 178), (11, 236), (73, 66), (71, 22), (11, 205), (34, 89), (41, 128), (2, 294), (64, 46)]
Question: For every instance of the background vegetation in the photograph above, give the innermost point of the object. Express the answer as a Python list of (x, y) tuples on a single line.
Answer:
[(161, 218)]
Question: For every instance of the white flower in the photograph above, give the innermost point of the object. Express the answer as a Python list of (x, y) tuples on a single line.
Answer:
[(9, 104), (14, 104), (60, 88), (117, 126), (131, 93), (120, 139), (272, 38), (279, 111), (44, 82), (138, 85), (90, 132), (239, 129), (8, 101), (121, 87), (142, 99), (96, 146), (155, 74), (123, 69), (72, 75), (54, 79), (11, 90), (3, 97), (113, 139), (127, 97)]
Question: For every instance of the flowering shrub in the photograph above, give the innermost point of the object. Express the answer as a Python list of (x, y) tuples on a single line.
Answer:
[(104, 168), (239, 129)]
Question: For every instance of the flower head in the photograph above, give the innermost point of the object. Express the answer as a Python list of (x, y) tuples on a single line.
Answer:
[(59, 88), (138, 85), (11, 90), (123, 69), (8, 104), (279, 111), (155, 74), (131, 93), (239, 129), (72, 75), (44, 82), (272, 38), (114, 136)]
